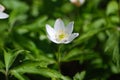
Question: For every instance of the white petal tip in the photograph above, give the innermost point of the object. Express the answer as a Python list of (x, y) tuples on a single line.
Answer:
[(59, 20), (47, 26), (76, 34), (3, 15), (2, 8)]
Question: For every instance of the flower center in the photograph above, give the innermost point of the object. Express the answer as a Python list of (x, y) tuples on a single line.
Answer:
[(61, 36)]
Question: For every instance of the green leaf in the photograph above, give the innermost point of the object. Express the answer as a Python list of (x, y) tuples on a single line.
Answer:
[(19, 76), (1, 65), (112, 46), (79, 76), (15, 5), (114, 68), (114, 19), (23, 42), (18, 9), (78, 54), (45, 60), (9, 57), (86, 36), (34, 68), (36, 25), (98, 23), (16, 15), (112, 7)]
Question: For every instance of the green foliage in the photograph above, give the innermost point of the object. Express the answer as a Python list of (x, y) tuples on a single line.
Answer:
[(27, 54), (79, 76), (112, 7), (112, 45), (10, 57)]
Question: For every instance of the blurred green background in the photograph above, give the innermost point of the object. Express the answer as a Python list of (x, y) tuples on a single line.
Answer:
[(27, 54)]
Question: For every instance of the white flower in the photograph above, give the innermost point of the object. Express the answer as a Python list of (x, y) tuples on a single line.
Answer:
[(77, 2), (2, 14), (61, 34)]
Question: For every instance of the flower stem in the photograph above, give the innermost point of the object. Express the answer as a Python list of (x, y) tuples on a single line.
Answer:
[(119, 11), (59, 57), (6, 75)]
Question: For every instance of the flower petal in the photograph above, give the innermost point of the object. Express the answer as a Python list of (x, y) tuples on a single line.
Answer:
[(50, 30), (69, 28), (53, 39), (81, 1), (3, 15), (73, 1), (72, 37), (2, 8), (59, 25)]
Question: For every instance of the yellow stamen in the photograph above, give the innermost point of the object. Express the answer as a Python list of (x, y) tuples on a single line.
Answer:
[(61, 36)]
